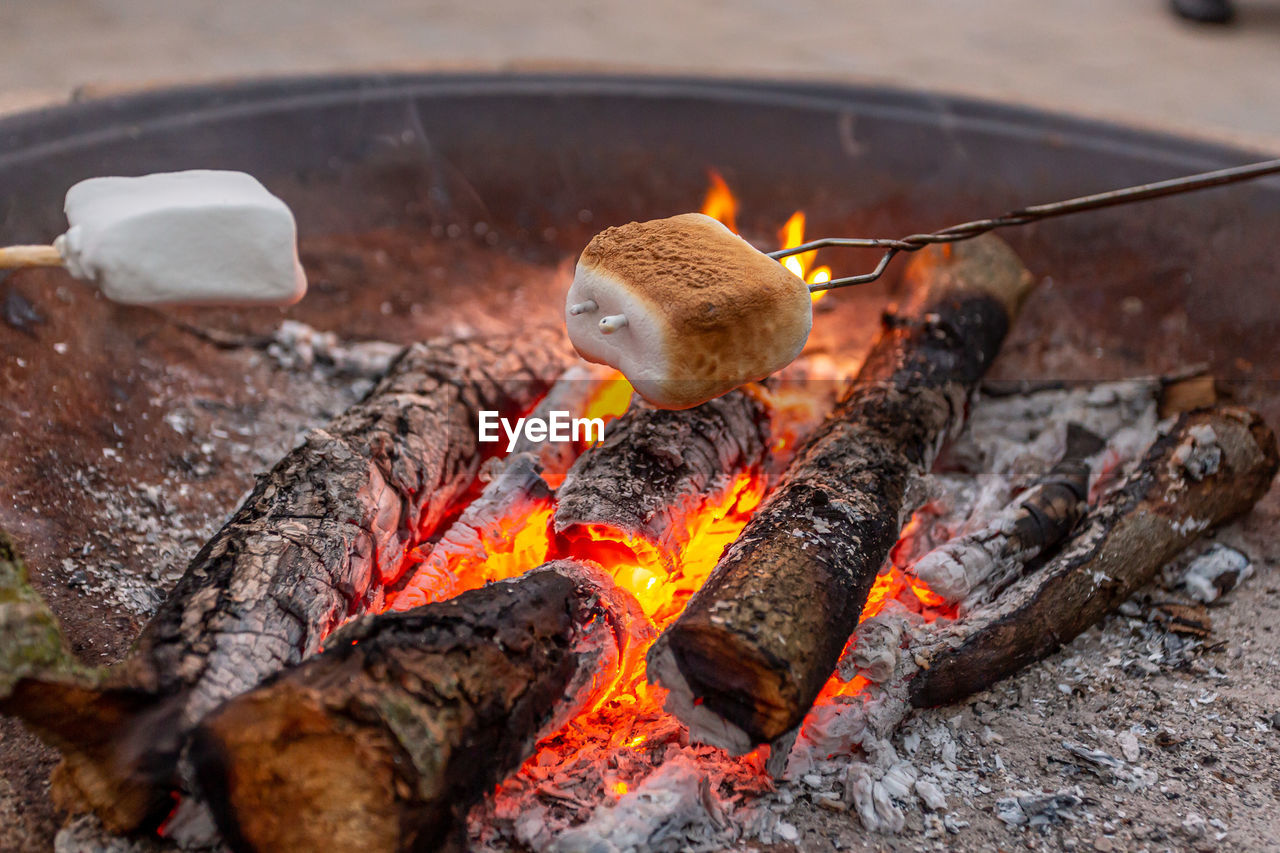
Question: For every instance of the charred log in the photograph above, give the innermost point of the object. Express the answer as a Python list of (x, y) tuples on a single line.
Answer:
[(384, 740), (572, 392), (655, 469), (515, 493), (1213, 466), (315, 542), (750, 653), (328, 527), (974, 567)]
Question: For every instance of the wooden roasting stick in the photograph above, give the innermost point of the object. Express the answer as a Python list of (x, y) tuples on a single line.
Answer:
[(655, 468), (749, 655), (1213, 466), (315, 542), (383, 741)]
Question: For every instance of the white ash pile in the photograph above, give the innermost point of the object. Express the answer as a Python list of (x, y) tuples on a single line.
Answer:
[(153, 519), (297, 346), (1212, 574)]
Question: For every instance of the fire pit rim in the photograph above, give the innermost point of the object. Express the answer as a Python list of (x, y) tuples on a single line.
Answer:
[(34, 133)]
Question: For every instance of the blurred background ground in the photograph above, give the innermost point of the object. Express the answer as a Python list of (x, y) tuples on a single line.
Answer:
[(1132, 61)]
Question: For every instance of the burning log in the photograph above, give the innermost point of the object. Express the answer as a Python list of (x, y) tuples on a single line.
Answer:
[(749, 655), (514, 505), (1213, 466), (316, 541), (384, 740), (655, 469), (327, 528)]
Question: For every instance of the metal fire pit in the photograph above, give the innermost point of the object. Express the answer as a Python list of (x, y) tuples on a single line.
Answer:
[(534, 165)]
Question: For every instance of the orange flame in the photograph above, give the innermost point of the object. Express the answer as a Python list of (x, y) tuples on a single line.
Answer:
[(720, 204), (507, 546), (610, 400)]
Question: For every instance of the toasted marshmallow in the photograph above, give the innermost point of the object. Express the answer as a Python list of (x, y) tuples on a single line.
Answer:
[(199, 237), (685, 309)]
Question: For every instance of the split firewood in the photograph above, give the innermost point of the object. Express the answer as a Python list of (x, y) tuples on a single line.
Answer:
[(1213, 466), (383, 741), (750, 653), (974, 567), (657, 467), (316, 541)]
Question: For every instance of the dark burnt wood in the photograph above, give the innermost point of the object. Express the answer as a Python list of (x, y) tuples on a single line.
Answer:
[(385, 740), (656, 467), (316, 541)]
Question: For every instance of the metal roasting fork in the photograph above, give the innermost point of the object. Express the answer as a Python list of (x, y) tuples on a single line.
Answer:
[(1022, 216)]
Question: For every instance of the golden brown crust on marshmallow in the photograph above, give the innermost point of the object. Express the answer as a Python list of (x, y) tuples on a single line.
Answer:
[(731, 313)]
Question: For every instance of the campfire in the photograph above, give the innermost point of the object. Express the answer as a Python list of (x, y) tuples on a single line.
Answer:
[(406, 638)]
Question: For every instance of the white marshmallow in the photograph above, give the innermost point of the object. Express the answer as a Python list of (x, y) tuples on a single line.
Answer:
[(200, 237), (685, 309)]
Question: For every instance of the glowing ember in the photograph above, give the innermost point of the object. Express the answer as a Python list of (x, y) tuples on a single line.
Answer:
[(469, 555), (506, 550), (720, 204), (610, 400)]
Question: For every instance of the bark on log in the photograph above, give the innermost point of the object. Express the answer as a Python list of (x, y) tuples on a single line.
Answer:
[(1121, 546), (749, 655), (384, 740), (315, 542), (1213, 466), (656, 468)]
